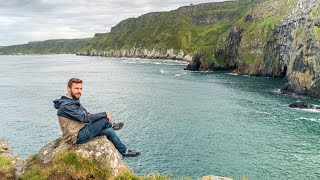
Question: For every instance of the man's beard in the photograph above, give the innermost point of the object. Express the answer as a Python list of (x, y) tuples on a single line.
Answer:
[(73, 95)]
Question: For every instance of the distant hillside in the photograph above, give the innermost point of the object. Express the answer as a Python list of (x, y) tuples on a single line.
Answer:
[(55, 46)]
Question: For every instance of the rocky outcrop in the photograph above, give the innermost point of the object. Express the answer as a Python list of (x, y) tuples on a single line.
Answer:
[(302, 105), (99, 149), (141, 53), (195, 64), (11, 165), (99, 153)]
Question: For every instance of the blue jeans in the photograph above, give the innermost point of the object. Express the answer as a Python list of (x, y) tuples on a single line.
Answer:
[(101, 127)]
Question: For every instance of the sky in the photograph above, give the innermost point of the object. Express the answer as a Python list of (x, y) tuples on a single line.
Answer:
[(22, 21)]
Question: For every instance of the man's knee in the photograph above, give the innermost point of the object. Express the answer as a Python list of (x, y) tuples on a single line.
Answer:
[(109, 132), (100, 123)]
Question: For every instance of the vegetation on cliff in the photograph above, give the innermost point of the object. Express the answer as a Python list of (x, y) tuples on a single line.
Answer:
[(191, 28), (257, 33), (55, 46)]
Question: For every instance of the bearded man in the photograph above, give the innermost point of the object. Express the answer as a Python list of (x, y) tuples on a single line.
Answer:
[(79, 126)]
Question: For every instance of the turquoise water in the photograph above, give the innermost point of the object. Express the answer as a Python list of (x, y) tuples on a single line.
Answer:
[(184, 123)]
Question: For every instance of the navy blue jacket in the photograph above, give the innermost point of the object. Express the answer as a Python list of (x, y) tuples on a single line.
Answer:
[(72, 109)]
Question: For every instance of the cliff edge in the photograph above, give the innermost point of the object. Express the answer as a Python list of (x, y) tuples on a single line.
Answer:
[(96, 159)]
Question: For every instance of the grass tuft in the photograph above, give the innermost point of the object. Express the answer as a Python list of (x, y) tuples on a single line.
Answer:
[(77, 167), (35, 173), (5, 164)]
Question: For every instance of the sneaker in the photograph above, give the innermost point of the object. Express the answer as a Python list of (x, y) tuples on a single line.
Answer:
[(117, 126), (131, 153)]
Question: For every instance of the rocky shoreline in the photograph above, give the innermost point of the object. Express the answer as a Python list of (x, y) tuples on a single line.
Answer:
[(141, 53)]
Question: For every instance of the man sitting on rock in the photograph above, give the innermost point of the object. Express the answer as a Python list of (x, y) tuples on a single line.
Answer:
[(79, 126)]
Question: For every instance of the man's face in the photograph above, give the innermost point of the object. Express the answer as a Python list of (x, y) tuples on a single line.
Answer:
[(75, 91)]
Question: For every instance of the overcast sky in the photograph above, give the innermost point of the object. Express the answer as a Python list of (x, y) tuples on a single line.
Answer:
[(22, 21)]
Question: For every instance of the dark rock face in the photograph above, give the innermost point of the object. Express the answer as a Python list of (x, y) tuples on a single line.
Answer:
[(213, 18), (277, 52), (231, 51), (294, 52), (302, 59), (195, 63), (248, 18)]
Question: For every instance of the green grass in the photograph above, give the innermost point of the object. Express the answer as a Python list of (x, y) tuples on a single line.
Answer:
[(5, 163), (6, 169), (35, 173), (315, 12), (317, 33), (78, 168), (34, 157)]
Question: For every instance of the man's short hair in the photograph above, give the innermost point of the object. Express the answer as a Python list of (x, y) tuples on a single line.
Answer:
[(73, 80)]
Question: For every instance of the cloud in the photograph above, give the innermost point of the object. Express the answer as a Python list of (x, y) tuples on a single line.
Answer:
[(23, 21)]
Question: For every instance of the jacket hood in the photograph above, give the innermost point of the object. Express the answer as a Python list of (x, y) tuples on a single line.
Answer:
[(64, 99)]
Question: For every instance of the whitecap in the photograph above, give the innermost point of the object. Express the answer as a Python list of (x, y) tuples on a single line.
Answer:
[(277, 91), (131, 62), (233, 74), (309, 110), (308, 119), (262, 113), (162, 71)]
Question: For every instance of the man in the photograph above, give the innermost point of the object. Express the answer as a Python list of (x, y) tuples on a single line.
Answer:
[(79, 126)]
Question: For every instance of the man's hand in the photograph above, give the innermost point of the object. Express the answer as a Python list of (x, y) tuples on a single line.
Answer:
[(109, 117)]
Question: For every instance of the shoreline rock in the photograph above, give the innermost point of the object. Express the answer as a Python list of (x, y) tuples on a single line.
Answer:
[(302, 105)]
